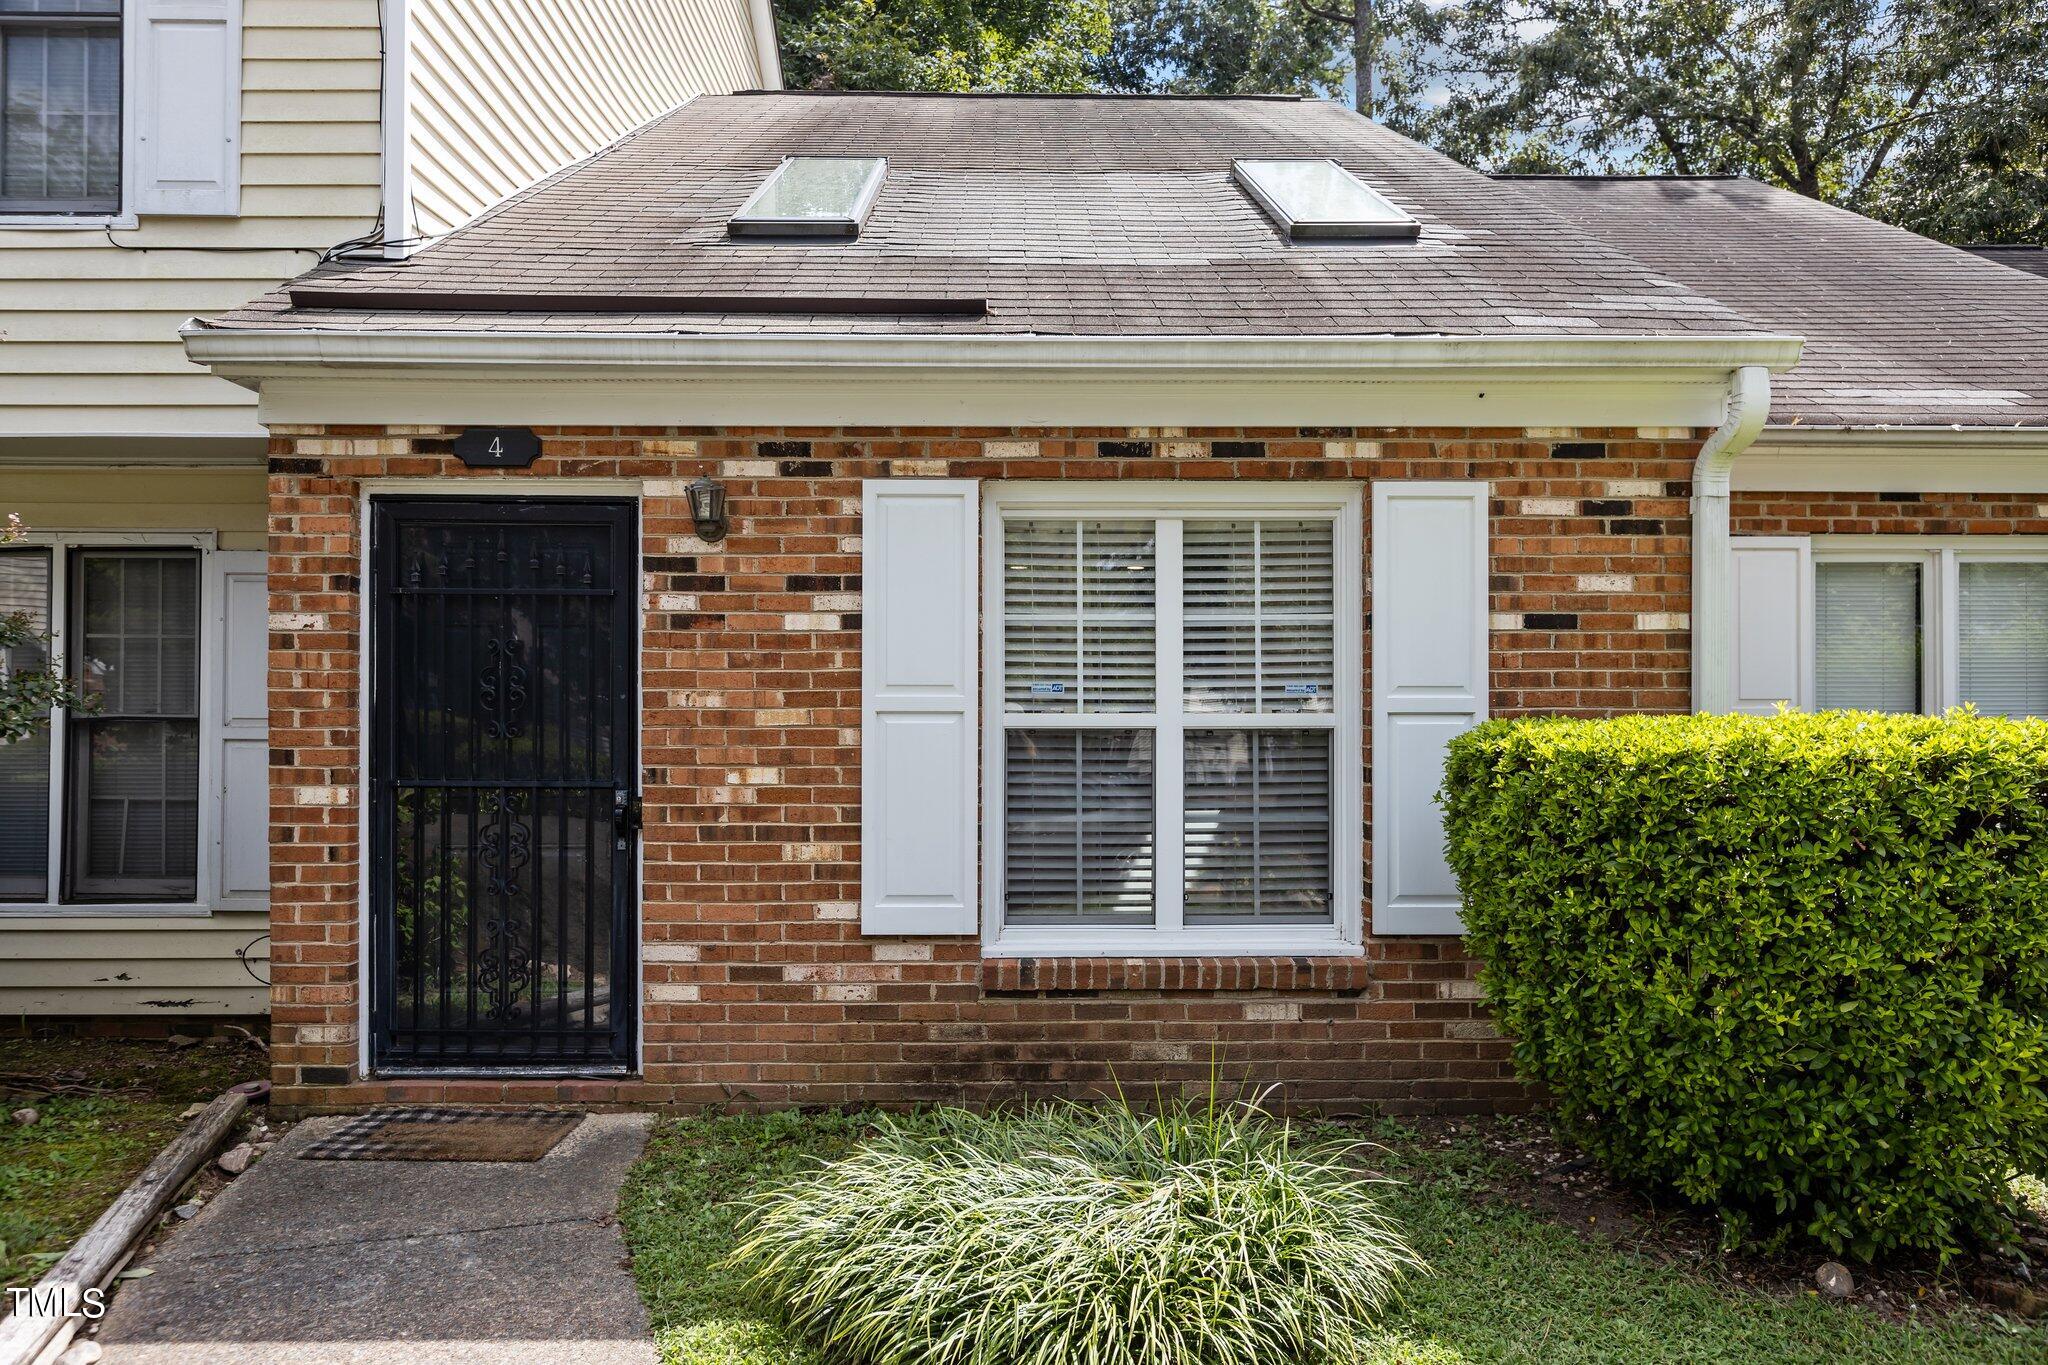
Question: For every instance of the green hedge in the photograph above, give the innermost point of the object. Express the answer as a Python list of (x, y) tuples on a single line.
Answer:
[(1795, 968)]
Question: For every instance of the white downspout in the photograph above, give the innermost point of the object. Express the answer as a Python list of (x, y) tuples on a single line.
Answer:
[(767, 44), (1713, 586)]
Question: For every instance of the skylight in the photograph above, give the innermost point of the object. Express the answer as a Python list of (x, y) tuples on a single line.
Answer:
[(812, 196), (1318, 199)]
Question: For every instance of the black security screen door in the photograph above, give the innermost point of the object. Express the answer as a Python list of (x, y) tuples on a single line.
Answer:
[(503, 802)]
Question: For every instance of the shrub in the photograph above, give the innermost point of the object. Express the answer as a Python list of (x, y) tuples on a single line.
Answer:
[(1794, 967), (1191, 1236)]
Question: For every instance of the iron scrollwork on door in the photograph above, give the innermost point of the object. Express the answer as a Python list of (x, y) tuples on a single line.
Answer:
[(501, 688), (504, 962)]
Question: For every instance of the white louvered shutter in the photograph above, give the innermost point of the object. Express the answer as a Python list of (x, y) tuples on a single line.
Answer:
[(1772, 649), (1867, 636), (187, 89), (918, 666), (1429, 579), (2003, 664), (244, 724)]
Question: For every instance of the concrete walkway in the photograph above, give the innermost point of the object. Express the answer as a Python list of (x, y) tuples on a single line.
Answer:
[(394, 1262)]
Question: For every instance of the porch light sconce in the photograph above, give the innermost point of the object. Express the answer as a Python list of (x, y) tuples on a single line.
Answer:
[(707, 509)]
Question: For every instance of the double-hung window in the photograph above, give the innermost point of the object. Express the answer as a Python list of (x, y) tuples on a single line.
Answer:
[(1920, 626), (1174, 698), (103, 806), (60, 106)]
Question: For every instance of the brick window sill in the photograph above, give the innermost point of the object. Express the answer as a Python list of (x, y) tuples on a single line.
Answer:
[(1091, 975)]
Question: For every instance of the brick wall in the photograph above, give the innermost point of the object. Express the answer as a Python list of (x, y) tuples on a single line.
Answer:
[(758, 988), (1889, 514)]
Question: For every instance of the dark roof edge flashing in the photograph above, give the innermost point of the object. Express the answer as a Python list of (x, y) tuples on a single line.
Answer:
[(428, 301), (1615, 175), (1044, 95)]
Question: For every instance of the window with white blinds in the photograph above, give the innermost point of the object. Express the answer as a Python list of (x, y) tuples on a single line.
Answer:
[(1868, 619), (1175, 694), (2003, 620), (1925, 624)]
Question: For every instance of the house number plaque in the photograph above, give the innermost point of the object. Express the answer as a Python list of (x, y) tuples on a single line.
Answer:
[(497, 447)]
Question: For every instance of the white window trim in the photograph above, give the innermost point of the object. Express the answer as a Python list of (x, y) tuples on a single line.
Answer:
[(1940, 559), (211, 661), (124, 218), (1343, 503)]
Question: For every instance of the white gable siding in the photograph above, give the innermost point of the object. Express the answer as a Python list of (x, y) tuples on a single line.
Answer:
[(504, 92)]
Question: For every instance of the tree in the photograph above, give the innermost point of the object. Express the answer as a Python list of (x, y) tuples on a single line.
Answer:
[(951, 45), (29, 687), (1226, 47), (1883, 106)]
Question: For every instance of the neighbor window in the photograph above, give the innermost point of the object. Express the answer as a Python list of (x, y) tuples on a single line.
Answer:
[(1924, 629), (122, 779), (1178, 686), (60, 106)]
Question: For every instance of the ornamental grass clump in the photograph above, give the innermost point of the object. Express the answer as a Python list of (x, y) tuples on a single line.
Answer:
[(1193, 1235), (1792, 968)]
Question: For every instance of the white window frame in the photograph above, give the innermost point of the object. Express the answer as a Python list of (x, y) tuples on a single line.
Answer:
[(61, 545), (1940, 559), (1170, 504), (123, 217)]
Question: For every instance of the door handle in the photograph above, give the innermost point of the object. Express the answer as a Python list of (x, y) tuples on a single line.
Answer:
[(625, 817)]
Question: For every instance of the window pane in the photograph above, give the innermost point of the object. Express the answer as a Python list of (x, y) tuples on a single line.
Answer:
[(1078, 616), (132, 804), (60, 93), (1258, 621), (1256, 827), (135, 810), (1868, 620), (812, 195), (2004, 661), (139, 649), (25, 764), (1077, 842)]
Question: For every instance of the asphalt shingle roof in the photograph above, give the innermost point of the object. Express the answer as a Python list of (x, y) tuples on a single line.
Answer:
[(1900, 330), (1077, 216), (1067, 216)]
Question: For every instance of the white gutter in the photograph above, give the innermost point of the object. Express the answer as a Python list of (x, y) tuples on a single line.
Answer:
[(233, 351), (1713, 568)]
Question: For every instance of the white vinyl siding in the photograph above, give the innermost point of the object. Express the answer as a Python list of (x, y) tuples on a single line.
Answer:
[(92, 327), (504, 92), (1172, 675)]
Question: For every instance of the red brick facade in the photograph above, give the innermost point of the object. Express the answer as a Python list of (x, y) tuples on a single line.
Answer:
[(758, 988)]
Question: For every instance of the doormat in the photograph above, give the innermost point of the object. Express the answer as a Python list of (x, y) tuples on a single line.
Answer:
[(445, 1135)]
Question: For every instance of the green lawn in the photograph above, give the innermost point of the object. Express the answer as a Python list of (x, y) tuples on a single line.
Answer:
[(1508, 1285), (58, 1174)]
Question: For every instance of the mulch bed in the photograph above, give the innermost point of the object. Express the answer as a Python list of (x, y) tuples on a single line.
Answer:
[(1546, 1175)]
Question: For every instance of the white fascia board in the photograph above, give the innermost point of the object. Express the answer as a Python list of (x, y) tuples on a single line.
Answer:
[(237, 352), (1943, 459), (660, 380)]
